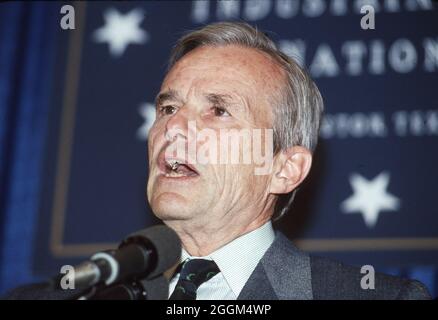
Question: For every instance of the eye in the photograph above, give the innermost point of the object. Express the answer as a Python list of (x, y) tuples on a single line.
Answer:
[(220, 112), (167, 110)]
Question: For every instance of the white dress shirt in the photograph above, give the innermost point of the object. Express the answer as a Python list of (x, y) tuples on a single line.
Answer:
[(236, 261)]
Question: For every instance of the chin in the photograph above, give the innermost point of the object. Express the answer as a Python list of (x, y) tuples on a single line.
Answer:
[(170, 206)]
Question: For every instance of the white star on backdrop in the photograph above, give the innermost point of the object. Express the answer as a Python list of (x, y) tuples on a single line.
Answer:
[(370, 197), (147, 111), (120, 30)]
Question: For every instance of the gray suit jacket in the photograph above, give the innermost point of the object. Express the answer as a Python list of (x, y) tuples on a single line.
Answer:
[(287, 273)]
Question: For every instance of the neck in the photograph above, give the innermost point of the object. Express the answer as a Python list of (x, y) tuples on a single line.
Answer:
[(202, 240)]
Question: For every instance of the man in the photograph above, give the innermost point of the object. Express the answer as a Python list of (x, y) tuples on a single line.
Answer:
[(231, 76)]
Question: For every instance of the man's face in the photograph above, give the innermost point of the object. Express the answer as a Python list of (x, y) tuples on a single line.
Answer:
[(217, 88)]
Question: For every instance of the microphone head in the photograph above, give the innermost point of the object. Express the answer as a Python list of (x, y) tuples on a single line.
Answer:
[(166, 245)]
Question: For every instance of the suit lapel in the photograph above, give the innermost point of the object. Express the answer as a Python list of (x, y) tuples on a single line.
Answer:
[(283, 273), (258, 286)]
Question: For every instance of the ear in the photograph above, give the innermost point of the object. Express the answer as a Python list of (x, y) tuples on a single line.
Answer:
[(291, 168)]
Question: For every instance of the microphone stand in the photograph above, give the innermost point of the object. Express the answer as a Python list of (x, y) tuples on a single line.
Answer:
[(125, 291), (147, 289)]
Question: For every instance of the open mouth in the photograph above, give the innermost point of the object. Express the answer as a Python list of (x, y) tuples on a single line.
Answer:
[(175, 168)]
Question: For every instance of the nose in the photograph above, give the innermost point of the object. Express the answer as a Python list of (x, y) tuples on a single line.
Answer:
[(179, 125)]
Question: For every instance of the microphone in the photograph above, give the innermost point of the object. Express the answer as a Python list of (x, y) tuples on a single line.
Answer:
[(143, 254), (147, 289)]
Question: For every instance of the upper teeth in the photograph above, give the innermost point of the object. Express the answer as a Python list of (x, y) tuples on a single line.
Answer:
[(174, 164)]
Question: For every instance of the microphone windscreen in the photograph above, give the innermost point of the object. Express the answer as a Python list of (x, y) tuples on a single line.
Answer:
[(167, 246)]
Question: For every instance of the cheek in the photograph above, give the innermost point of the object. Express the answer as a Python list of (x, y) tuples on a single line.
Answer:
[(154, 131), (155, 140), (151, 137), (237, 178), (248, 181)]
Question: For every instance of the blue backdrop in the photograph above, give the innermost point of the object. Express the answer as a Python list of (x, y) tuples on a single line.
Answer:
[(76, 105)]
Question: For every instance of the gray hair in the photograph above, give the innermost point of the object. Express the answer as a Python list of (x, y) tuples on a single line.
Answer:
[(298, 114)]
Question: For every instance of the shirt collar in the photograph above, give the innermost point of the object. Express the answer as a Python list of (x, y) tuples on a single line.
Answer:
[(238, 258)]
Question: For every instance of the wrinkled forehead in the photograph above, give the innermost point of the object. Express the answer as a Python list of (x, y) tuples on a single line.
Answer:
[(230, 62)]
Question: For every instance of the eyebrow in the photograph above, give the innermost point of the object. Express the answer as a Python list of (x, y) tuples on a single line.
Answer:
[(223, 100), (217, 99), (167, 96)]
